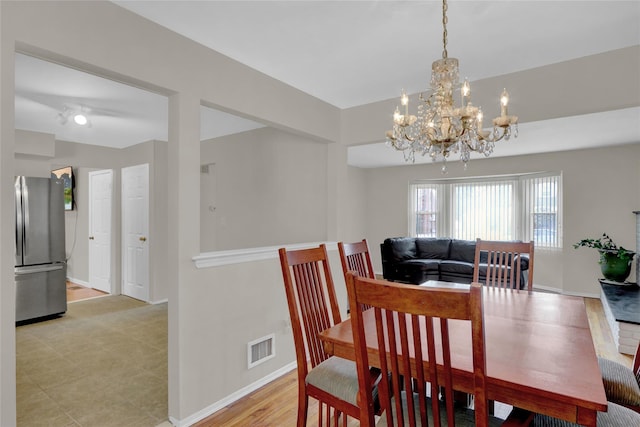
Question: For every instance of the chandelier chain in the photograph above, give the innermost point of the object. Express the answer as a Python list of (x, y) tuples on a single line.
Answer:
[(444, 29)]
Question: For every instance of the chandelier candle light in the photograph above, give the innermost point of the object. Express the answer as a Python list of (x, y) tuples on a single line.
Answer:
[(440, 128)]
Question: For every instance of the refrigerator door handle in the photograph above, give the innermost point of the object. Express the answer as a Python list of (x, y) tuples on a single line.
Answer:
[(19, 223), (25, 201), (38, 268)]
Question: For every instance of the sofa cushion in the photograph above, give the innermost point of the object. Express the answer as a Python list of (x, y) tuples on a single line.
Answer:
[(402, 248), (456, 267), (421, 264), (455, 278), (433, 248), (462, 250), (417, 271)]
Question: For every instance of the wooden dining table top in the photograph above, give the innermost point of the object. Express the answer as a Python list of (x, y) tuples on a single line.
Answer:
[(539, 352)]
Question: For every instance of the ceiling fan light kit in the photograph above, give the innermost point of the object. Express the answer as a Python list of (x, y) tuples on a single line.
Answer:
[(440, 128)]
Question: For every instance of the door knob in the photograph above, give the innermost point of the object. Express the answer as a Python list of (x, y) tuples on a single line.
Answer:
[(90, 237), (143, 239)]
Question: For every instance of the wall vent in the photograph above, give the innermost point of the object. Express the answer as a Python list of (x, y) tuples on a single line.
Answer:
[(261, 350)]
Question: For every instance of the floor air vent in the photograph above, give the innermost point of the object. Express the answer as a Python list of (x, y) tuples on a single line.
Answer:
[(261, 350)]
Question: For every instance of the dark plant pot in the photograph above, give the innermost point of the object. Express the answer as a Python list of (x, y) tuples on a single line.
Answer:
[(613, 267)]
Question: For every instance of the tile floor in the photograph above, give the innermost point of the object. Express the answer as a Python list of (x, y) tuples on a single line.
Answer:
[(104, 363)]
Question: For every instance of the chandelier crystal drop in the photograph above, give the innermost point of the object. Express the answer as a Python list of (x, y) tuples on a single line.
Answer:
[(440, 128)]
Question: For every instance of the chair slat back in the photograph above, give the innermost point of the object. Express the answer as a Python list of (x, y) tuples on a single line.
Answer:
[(503, 263), (413, 320), (312, 301), (356, 257)]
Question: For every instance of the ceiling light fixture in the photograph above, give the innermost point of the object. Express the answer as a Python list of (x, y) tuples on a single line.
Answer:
[(79, 116), (440, 128), (80, 119)]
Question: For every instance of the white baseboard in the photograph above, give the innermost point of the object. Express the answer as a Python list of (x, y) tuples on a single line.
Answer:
[(204, 413), (560, 291), (78, 281), (547, 289)]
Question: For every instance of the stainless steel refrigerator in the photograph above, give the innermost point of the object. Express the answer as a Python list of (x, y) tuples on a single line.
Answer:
[(41, 267)]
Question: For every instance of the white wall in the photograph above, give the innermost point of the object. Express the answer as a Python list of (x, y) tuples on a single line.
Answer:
[(208, 329), (357, 222), (250, 296), (271, 189), (7, 234), (599, 194)]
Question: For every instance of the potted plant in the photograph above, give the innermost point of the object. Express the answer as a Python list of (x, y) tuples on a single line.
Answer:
[(615, 261)]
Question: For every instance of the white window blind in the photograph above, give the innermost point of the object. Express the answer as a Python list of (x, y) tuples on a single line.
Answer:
[(542, 208), (425, 203), (520, 207), (483, 210)]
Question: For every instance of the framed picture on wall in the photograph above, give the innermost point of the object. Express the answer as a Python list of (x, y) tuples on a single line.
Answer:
[(66, 174)]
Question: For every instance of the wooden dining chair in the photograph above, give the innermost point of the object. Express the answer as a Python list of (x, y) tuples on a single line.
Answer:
[(313, 307), (410, 320), (616, 416), (621, 383), (499, 264), (356, 257)]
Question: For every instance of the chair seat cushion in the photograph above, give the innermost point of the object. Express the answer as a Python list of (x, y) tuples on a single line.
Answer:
[(616, 416), (464, 416), (620, 383), (336, 376)]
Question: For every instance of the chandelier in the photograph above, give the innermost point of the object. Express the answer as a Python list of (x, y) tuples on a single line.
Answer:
[(440, 128)]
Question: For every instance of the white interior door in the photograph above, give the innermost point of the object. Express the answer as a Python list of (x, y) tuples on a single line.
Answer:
[(100, 200), (135, 231)]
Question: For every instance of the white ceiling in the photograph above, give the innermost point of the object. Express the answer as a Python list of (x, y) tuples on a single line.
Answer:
[(120, 115), (346, 53)]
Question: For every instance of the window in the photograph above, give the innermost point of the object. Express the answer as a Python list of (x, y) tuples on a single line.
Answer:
[(541, 210), (425, 207), (525, 207)]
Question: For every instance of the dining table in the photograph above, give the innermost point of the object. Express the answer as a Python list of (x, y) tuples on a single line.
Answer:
[(539, 352)]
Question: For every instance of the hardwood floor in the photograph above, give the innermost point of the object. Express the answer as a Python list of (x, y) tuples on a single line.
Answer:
[(276, 403), (77, 292), (601, 333)]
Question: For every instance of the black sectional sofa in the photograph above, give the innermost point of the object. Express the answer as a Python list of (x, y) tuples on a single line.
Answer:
[(418, 259)]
